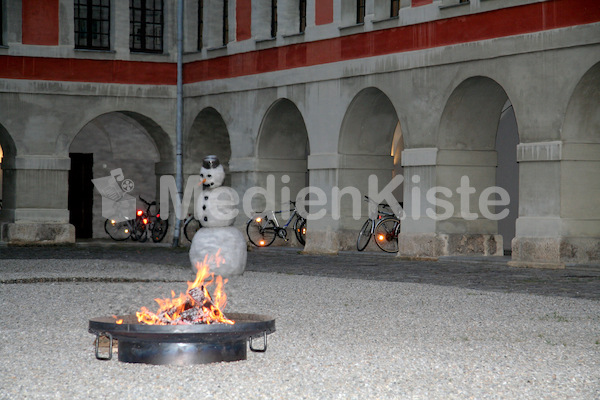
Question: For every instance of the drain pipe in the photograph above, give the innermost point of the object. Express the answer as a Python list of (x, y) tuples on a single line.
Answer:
[(179, 122)]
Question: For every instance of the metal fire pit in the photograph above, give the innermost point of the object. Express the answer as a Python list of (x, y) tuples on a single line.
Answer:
[(182, 344)]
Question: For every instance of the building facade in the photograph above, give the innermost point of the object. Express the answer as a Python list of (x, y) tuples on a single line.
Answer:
[(320, 93)]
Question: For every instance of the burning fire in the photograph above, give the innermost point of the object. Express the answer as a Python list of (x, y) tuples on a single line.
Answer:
[(195, 306)]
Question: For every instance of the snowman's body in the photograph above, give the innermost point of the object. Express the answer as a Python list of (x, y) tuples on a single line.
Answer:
[(216, 207), (216, 210)]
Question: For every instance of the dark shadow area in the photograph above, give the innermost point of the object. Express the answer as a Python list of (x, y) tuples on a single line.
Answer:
[(469, 273)]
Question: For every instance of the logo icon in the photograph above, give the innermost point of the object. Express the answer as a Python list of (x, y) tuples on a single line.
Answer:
[(117, 205)]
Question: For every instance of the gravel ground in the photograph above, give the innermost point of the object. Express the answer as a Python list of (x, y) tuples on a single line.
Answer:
[(336, 338)]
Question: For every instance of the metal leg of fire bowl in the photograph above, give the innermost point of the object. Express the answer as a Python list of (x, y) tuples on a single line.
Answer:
[(160, 353)]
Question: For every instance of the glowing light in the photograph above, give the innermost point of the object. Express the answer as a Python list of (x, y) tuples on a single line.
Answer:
[(145, 220), (381, 238), (139, 213), (259, 219), (262, 242)]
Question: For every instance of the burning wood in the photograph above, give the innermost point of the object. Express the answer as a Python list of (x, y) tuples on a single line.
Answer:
[(196, 306)]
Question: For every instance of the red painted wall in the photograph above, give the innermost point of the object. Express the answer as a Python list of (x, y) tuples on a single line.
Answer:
[(243, 19), (81, 70), (40, 22), (323, 12), (519, 20), (534, 17), (417, 3)]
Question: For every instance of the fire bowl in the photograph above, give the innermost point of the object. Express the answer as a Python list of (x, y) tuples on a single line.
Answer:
[(182, 344)]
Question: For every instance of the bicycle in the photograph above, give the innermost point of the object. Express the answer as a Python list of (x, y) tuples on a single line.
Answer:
[(153, 223), (263, 229), (191, 226), (385, 226), (123, 230)]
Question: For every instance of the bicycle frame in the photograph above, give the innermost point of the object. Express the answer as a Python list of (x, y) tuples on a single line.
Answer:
[(289, 221)]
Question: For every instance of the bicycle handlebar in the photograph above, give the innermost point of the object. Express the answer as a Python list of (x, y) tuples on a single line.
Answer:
[(373, 201)]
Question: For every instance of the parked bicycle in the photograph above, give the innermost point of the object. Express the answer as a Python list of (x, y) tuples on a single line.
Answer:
[(154, 224), (190, 227), (130, 228), (264, 228), (384, 226), (137, 228)]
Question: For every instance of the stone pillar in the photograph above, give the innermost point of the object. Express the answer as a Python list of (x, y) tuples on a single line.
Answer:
[(559, 217), (344, 179), (282, 178), (35, 204), (432, 228), (418, 237)]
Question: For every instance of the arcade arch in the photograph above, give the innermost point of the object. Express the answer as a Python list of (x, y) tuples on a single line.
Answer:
[(580, 181), (115, 144), (477, 138), (283, 148), (370, 143), (208, 135), (7, 154)]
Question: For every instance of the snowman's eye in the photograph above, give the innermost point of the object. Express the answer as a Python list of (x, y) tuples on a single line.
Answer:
[(209, 175), (201, 175)]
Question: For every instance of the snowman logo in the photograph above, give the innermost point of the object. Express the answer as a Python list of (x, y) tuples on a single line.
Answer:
[(215, 207)]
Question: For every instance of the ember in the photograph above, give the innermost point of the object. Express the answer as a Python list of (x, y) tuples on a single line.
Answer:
[(195, 306)]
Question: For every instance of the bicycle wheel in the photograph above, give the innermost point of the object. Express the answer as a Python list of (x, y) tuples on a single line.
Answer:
[(191, 227), (364, 235), (261, 233), (140, 233), (386, 234), (159, 230), (300, 230), (117, 230)]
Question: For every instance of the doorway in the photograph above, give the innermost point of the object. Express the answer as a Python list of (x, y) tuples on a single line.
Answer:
[(81, 194)]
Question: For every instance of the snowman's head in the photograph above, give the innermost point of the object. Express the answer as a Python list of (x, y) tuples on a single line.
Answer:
[(212, 173)]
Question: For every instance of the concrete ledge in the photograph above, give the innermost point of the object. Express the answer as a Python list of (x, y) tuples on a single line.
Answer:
[(540, 265), (39, 234), (434, 245), (556, 250), (329, 242)]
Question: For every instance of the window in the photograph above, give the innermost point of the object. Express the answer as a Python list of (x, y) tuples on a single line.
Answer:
[(302, 14), (394, 8), (225, 22), (360, 11), (146, 26), (273, 18), (200, 22), (1, 43), (92, 24)]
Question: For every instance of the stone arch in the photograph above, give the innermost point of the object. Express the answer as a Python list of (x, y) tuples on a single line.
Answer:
[(369, 124), (370, 143), (282, 134), (282, 149), (580, 182), (115, 140), (478, 123), (208, 135)]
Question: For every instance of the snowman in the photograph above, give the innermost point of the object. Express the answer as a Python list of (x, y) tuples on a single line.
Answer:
[(216, 210)]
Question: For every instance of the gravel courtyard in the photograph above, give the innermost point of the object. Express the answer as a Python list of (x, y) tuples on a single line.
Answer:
[(336, 338)]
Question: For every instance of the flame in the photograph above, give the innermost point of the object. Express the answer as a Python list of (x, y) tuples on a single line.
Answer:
[(118, 321), (185, 309)]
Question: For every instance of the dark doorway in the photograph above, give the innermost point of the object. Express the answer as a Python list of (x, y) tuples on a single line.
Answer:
[(80, 194)]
